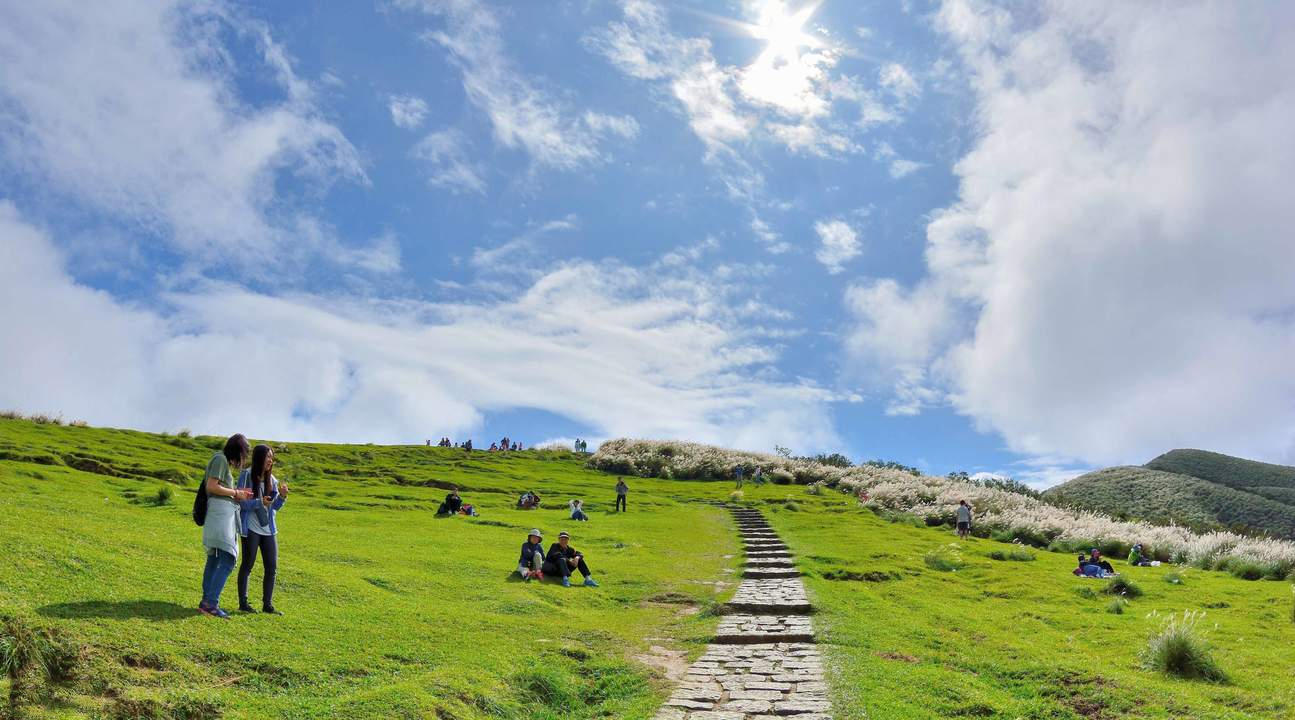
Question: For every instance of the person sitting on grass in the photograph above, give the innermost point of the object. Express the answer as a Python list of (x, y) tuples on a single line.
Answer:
[(528, 501), (1137, 559), (563, 558), (531, 564), (578, 510), (453, 503), (1095, 557)]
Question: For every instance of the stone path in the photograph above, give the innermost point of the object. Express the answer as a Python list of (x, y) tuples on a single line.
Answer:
[(763, 664)]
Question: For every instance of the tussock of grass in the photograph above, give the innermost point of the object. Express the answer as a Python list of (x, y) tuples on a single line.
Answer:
[(1123, 587), (1179, 649), (1173, 577), (1013, 554), (1116, 606), (945, 559)]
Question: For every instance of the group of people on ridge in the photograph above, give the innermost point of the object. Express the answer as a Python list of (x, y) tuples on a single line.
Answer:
[(239, 515), (560, 561), (504, 444), (739, 475)]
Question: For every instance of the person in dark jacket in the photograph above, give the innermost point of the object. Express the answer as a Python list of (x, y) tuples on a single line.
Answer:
[(563, 558), (531, 564)]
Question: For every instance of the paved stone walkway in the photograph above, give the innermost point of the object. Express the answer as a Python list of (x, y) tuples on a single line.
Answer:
[(763, 664)]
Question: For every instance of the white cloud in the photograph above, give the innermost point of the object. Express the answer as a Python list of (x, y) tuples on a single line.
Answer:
[(620, 125), (898, 81), (901, 167), (515, 253), (407, 111), (446, 162), (643, 47), (769, 237), (522, 115), (131, 109), (622, 350), (1114, 279), (838, 244)]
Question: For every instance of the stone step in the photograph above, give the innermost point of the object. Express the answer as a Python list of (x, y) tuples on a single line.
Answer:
[(768, 563), (768, 573), (743, 629)]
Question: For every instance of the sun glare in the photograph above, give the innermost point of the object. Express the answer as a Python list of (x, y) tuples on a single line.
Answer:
[(782, 29)]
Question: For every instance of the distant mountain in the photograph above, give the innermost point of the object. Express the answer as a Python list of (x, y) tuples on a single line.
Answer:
[(1200, 489)]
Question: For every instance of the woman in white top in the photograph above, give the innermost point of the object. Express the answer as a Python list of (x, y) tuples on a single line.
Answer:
[(578, 510), (220, 527)]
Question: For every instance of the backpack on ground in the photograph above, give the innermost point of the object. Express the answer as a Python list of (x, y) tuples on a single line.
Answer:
[(200, 503)]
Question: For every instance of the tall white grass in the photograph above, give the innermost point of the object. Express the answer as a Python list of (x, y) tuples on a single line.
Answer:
[(933, 499)]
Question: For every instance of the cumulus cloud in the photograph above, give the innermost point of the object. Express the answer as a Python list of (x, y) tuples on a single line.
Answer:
[(622, 350), (129, 108), (407, 111), (1114, 278), (838, 244)]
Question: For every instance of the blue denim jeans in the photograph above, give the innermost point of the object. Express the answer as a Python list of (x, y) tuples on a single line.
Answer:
[(219, 565)]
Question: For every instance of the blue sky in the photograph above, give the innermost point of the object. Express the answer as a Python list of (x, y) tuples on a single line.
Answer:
[(1018, 239)]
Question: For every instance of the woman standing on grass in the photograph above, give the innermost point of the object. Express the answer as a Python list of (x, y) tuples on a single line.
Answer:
[(257, 524), (220, 529)]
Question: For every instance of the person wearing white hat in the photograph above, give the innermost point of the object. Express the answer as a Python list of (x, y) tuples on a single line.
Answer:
[(531, 564)]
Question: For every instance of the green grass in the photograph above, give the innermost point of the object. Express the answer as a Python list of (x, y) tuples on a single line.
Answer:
[(1021, 640), (393, 613), (390, 612)]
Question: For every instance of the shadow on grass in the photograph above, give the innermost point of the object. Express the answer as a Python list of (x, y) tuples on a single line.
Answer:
[(125, 610)]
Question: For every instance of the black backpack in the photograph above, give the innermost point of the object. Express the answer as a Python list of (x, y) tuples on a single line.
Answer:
[(200, 503)]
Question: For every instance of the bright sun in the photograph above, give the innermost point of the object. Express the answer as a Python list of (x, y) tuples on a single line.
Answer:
[(783, 30)]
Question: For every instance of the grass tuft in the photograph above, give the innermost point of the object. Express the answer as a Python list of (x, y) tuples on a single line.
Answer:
[(164, 496), (1123, 587), (1015, 555), (947, 558), (1116, 606), (1173, 577), (1180, 650)]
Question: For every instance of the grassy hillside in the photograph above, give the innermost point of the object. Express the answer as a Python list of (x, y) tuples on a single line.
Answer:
[(392, 613), (1163, 497), (1195, 488), (1226, 470)]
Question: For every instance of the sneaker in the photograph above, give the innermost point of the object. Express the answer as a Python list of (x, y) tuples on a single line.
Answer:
[(217, 613), (539, 575), (246, 607), (269, 610), (526, 576), (204, 608), (566, 582), (589, 582)]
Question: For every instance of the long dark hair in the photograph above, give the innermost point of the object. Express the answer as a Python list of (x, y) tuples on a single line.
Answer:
[(259, 474), (236, 449)]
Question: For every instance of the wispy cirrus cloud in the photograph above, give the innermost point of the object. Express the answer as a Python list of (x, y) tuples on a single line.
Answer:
[(447, 162), (407, 111), (523, 116)]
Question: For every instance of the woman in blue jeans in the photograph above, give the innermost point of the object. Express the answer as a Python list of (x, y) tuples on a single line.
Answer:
[(220, 529), (257, 525)]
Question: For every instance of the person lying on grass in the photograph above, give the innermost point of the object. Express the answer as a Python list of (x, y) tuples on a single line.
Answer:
[(1093, 567), (563, 558), (531, 564), (578, 510)]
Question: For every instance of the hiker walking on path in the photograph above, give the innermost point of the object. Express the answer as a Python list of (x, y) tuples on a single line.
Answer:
[(622, 490), (220, 524), (531, 563), (738, 472), (563, 558), (964, 519), (257, 522)]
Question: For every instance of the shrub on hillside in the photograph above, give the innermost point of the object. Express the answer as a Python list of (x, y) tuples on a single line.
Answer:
[(164, 495), (945, 559), (1014, 554), (1179, 649), (1173, 578), (886, 488), (1116, 606), (1123, 587)]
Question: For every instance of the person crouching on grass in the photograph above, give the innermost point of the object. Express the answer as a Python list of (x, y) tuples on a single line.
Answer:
[(563, 558), (258, 526), (220, 527)]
